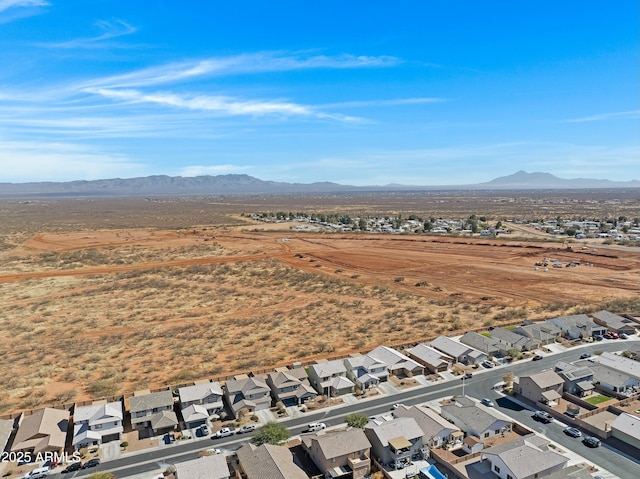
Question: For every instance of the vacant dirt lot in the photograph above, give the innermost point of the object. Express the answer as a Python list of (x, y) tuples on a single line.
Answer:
[(90, 312)]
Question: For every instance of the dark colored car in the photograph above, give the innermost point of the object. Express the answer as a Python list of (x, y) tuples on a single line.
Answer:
[(572, 431), (467, 376), (585, 356), (91, 463), (591, 441), (598, 337), (74, 466), (537, 357)]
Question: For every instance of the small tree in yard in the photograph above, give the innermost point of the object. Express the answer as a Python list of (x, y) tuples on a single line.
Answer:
[(271, 433), (514, 353), (508, 380), (356, 420)]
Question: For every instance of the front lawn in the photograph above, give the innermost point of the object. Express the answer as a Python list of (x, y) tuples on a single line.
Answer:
[(597, 399)]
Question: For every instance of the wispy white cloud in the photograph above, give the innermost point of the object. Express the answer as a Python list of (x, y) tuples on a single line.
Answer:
[(223, 105), (239, 64), (110, 29), (621, 115), (7, 4)]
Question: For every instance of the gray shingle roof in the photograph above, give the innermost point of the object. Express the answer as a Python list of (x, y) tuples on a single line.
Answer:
[(146, 402), (268, 462), (339, 443)]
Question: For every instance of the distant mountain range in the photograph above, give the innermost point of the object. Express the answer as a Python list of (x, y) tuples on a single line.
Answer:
[(163, 185)]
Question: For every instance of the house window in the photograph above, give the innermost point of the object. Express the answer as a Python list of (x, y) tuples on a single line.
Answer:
[(486, 434), (509, 476), (496, 468), (97, 426), (497, 431)]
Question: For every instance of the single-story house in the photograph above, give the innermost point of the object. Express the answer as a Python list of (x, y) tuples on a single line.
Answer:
[(473, 420), (488, 345), (577, 326), (626, 427), (512, 340), (397, 363), (267, 462), (432, 359), (616, 323), (461, 353), (543, 332)]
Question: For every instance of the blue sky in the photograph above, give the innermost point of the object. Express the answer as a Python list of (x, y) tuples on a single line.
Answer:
[(362, 93)]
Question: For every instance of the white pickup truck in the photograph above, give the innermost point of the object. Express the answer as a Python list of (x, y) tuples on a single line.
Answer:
[(224, 432)]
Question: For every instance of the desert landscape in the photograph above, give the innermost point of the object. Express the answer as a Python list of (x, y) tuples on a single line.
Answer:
[(103, 297)]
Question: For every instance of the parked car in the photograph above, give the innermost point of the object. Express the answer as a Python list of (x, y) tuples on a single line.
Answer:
[(537, 357), (608, 336), (624, 336), (213, 451), (572, 431), (316, 426), (396, 406), (246, 428), (91, 463), (74, 466), (39, 473), (224, 432), (542, 416), (598, 337), (487, 364), (591, 441), (585, 355), (487, 402), (204, 430), (467, 376)]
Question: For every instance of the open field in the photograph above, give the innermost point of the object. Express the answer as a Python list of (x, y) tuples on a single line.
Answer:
[(99, 298)]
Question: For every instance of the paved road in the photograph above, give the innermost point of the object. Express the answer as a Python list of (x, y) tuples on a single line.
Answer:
[(480, 385)]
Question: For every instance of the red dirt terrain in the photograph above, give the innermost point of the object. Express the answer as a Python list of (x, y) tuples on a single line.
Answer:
[(95, 313)]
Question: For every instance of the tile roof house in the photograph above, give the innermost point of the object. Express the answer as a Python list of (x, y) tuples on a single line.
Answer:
[(153, 410), (473, 420), (205, 467), (330, 377), (578, 380), (436, 430), (544, 387), (524, 458), (97, 424), (43, 431), (267, 462), (460, 352), (207, 394), (543, 332), (250, 393), (432, 359), (577, 326), (288, 389), (340, 453), (397, 440), (626, 427), (366, 371), (616, 323)]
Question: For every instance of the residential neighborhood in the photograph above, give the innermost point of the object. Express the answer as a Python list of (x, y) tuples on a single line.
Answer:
[(597, 393)]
